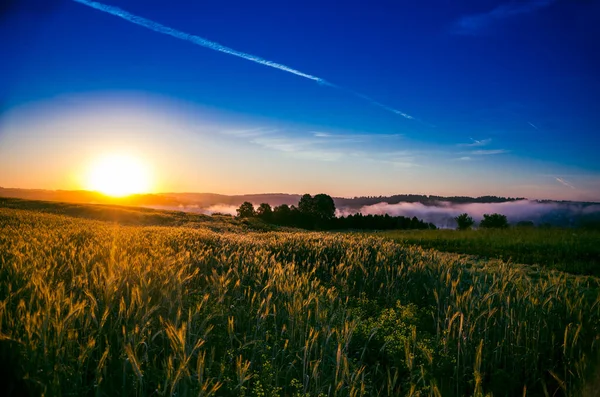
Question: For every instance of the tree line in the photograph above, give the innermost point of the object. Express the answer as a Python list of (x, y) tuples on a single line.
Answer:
[(318, 213), (499, 221), (489, 221)]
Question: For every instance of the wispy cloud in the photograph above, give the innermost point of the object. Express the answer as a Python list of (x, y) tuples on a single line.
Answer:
[(398, 158), (330, 137), (250, 132), (533, 125), (476, 143), (565, 183), (283, 143), (322, 134), (300, 147), (487, 152), (159, 28), (403, 163), (473, 24), (329, 147), (468, 155)]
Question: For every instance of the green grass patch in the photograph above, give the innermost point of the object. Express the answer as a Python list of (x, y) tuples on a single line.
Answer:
[(575, 251)]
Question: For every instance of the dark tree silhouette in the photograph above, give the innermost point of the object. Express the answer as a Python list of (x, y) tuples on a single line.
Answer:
[(246, 210), (305, 205), (494, 221), (315, 212), (264, 212), (323, 207), (378, 222), (464, 221), (282, 214), (318, 213)]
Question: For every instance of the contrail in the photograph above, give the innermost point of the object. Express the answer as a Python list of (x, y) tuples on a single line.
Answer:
[(381, 105), (567, 184), (157, 27), (533, 125)]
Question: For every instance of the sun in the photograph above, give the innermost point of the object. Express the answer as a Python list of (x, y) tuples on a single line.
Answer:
[(119, 175)]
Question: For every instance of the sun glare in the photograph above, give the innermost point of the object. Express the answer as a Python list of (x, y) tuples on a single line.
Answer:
[(119, 175)]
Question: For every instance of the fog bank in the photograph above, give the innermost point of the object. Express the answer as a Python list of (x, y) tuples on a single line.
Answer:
[(443, 214)]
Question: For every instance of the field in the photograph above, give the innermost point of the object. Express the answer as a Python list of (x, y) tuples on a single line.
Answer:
[(150, 303), (574, 251)]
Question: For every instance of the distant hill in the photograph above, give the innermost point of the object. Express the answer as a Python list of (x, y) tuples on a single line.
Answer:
[(419, 198), (158, 199), (84, 196), (438, 210), (210, 199)]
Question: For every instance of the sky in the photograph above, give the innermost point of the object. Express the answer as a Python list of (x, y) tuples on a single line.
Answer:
[(346, 98)]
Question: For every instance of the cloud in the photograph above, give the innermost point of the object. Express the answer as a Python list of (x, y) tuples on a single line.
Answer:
[(283, 143), (250, 132), (308, 148), (349, 138), (487, 152), (159, 28), (443, 213), (565, 183), (473, 24), (533, 125), (397, 158), (464, 158), (325, 146), (221, 209), (476, 143), (325, 137), (322, 134), (403, 163)]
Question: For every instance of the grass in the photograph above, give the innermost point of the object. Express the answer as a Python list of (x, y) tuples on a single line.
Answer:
[(575, 251), (101, 308)]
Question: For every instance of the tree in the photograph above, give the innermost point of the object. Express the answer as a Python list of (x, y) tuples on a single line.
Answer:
[(314, 212), (282, 214), (246, 210), (305, 205), (264, 212), (323, 207), (464, 221), (494, 221)]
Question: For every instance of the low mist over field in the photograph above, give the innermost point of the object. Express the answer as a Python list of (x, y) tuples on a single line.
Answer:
[(442, 213)]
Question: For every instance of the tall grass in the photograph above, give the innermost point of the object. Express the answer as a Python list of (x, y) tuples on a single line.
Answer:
[(93, 308), (575, 251)]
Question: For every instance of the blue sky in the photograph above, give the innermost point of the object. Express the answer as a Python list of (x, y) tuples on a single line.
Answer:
[(503, 96)]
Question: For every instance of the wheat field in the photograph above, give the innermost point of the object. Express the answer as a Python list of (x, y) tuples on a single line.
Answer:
[(97, 308)]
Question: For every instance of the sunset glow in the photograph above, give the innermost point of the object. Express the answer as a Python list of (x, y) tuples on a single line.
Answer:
[(119, 175)]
